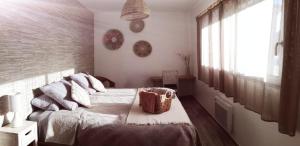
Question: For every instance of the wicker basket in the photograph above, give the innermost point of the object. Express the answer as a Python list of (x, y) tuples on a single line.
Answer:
[(155, 101)]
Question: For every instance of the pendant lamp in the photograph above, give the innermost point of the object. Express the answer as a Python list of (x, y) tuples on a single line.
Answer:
[(135, 10)]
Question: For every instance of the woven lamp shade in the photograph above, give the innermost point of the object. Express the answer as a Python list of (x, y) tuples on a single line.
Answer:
[(135, 10)]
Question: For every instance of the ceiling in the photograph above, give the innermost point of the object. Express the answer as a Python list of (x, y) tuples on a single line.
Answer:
[(161, 5)]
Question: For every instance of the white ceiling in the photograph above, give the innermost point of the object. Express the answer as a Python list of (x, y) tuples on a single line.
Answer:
[(161, 5)]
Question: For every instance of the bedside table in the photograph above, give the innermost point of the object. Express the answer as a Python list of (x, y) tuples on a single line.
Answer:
[(21, 136)]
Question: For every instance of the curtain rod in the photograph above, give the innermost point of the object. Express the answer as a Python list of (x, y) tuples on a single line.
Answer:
[(212, 6)]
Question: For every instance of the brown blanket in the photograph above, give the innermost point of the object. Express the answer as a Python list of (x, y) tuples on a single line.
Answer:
[(139, 135), (172, 128)]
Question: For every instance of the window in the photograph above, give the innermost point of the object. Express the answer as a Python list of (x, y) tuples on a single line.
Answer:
[(241, 53)]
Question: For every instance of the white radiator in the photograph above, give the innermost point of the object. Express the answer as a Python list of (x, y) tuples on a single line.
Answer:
[(223, 112)]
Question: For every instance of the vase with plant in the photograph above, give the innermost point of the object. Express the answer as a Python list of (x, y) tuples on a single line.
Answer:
[(187, 59)]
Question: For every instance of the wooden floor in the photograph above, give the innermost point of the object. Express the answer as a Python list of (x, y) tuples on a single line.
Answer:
[(211, 134)]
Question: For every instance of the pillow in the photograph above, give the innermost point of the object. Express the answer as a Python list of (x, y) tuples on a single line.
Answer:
[(96, 84), (80, 95), (91, 91), (81, 79), (53, 107), (45, 103), (66, 83), (59, 92)]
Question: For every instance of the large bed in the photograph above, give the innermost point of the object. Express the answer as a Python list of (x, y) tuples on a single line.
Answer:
[(116, 119)]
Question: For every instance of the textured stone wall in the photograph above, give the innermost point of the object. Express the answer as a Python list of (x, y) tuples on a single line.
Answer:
[(43, 36)]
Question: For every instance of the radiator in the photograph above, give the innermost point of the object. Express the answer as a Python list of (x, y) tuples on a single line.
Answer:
[(223, 112)]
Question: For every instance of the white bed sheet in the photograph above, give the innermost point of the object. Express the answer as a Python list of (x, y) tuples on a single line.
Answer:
[(108, 108)]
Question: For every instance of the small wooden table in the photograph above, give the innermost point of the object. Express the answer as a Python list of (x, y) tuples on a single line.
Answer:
[(185, 83)]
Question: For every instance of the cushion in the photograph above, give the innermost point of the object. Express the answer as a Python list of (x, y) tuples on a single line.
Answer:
[(81, 79), (80, 95), (60, 92), (53, 107), (45, 103), (91, 91), (66, 83), (96, 84)]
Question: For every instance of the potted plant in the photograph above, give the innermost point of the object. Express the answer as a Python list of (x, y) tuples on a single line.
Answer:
[(187, 59)]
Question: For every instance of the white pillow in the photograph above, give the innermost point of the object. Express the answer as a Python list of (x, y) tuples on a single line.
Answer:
[(80, 95), (60, 92), (81, 80), (96, 84), (45, 102)]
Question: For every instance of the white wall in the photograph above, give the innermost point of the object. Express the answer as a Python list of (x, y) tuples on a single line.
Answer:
[(169, 33), (166, 31), (248, 128)]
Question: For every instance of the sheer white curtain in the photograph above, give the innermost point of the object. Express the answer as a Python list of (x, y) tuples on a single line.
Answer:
[(205, 44), (239, 55)]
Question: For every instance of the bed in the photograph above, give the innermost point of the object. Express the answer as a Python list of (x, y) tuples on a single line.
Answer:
[(116, 119)]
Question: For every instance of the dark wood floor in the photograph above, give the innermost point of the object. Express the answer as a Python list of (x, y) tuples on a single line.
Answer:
[(211, 134)]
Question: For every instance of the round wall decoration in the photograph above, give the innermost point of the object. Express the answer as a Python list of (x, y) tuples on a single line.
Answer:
[(113, 39), (142, 48), (137, 26)]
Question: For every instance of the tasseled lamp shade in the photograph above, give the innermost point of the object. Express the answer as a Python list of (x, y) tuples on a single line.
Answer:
[(135, 10)]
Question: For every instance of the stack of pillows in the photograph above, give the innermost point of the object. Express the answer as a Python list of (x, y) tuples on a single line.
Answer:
[(68, 95)]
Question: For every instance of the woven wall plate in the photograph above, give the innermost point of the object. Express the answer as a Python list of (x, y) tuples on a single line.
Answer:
[(113, 39), (137, 26), (142, 48)]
